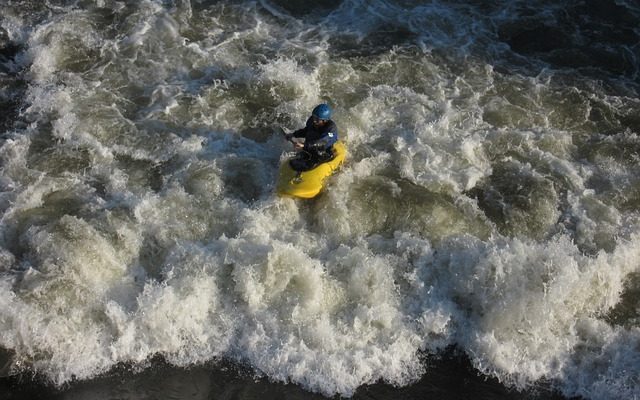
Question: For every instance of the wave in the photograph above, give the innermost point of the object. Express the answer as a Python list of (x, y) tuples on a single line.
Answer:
[(489, 202)]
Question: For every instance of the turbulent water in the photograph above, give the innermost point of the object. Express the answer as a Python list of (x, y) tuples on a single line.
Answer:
[(490, 201)]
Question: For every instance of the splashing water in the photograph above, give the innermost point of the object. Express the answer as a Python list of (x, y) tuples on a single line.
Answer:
[(490, 200)]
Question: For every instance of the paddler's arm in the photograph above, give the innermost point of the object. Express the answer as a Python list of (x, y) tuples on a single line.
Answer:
[(326, 141), (302, 133), (289, 137)]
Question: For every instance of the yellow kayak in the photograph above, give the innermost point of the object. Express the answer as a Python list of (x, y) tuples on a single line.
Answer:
[(308, 184)]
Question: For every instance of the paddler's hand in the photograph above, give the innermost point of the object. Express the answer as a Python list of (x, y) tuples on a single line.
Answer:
[(297, 146)]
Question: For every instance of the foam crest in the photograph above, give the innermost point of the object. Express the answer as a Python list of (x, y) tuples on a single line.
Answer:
[(480, 207), (71, 263), (526, 302), (309, 313), (288, 80), (179, 318), (422, 151), (607, 364)]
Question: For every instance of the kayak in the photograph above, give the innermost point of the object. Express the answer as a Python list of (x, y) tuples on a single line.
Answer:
[(308, 184)]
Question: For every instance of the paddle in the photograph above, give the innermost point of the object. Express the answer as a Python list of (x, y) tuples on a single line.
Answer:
[(286, 136)]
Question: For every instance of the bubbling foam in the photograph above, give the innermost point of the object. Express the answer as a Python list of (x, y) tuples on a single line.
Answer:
[(479, 207)]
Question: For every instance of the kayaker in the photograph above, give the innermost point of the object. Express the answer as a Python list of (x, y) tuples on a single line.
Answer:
[(320, 134)]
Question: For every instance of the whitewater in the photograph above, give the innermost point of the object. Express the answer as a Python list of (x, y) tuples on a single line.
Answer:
[(489, 203)]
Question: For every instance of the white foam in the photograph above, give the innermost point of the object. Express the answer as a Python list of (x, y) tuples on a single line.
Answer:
[(526, 303), (287, 76), (428, 149), (100, 266)]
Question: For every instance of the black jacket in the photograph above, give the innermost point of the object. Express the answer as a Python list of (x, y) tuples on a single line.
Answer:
[(318, 140)]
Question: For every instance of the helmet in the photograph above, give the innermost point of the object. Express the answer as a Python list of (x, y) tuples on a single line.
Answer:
[(322, 111)]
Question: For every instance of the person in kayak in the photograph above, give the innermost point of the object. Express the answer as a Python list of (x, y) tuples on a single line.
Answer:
[(320, 134)]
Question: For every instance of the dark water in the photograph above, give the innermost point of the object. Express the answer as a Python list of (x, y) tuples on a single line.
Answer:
[(448, 377), (489, 204)]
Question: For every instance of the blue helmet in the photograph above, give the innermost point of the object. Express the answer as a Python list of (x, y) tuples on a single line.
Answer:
[(322, 111)]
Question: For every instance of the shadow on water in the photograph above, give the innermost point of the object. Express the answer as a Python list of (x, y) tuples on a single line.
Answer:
[(627, 311), (596, 39), (520, 203), (12, 86), (449, 376)]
